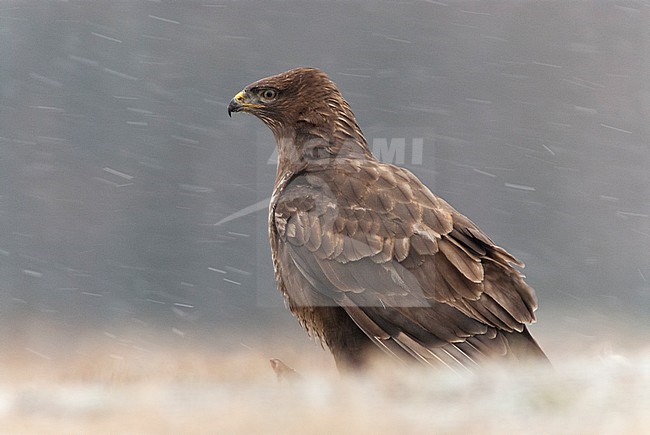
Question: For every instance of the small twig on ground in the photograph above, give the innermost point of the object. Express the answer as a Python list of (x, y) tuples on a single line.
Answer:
[(283, 371)]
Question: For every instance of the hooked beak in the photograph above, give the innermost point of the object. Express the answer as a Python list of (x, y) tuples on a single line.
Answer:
[(236, 104), (241, 103)]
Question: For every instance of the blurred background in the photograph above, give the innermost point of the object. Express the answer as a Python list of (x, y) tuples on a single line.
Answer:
[(133, 210)]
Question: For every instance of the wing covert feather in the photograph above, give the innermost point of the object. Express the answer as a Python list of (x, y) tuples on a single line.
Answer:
[(377, 242)]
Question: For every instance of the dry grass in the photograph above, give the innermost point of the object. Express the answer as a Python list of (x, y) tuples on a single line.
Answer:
[(100, 388)]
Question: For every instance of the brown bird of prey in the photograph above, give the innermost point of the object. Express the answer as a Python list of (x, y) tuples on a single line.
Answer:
[(366, 256)]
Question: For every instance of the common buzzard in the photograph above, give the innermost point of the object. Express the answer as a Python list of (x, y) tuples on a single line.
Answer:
[(366, 256)]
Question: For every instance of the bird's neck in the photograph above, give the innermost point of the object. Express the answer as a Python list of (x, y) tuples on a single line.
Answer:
[(335, 137)]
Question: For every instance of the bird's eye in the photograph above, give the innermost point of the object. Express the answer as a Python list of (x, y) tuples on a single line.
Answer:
[(269, 94)]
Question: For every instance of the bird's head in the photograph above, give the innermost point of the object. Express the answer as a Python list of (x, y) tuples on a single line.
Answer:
[(300, 97), (284, 93), (302, 106)]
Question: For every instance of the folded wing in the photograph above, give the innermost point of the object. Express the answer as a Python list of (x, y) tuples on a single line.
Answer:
[(420, 279)]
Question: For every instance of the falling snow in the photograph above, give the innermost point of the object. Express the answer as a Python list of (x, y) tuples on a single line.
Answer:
[(134, 211)]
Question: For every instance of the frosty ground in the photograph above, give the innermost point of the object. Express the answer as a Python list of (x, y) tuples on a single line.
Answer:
[(102, 389)]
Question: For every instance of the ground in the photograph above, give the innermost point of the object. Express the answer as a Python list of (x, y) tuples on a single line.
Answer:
[(105, 388)]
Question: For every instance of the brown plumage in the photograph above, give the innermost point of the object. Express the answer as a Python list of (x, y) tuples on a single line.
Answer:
[(366, 256)]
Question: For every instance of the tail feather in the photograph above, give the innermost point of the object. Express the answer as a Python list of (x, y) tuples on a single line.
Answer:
[(525, 348)]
